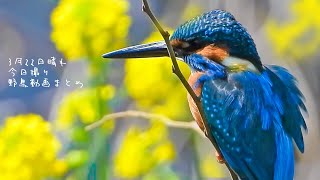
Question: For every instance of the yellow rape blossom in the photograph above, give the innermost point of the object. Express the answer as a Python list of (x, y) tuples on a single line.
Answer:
[(151, 83), (164, 152), (86, 28), (84, 104), (143, 150), (299, 38), (211, 168), (28, 149)]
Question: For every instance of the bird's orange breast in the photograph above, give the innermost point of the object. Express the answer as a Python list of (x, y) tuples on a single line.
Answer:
[(193, 107)]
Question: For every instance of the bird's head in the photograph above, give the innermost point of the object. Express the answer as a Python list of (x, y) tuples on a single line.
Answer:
[(213, 37)]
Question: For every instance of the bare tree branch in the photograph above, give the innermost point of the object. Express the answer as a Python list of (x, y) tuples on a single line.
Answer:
[(166, 35), (176, 70), (192, 125)]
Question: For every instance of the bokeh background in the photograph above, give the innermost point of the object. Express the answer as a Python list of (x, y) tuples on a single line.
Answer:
[(42, 133)]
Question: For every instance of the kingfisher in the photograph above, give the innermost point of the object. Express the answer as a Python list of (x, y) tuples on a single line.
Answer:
[(254, 111)]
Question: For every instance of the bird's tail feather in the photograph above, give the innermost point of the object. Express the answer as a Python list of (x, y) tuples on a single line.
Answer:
[(284, 166)]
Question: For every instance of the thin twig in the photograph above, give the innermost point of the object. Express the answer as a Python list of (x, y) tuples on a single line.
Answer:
[(166, 35), (176, 70), (192, 125)]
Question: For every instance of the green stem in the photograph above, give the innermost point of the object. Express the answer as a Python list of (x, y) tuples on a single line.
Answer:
[(100, 143), (195, 156)]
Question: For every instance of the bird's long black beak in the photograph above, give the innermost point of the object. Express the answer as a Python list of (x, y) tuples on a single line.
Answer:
[(156, 49)]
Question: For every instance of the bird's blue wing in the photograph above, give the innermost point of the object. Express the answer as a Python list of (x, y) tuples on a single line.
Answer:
[(284, 84), (245, 114)]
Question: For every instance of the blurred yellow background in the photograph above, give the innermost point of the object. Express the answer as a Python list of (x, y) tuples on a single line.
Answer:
[(42, 132)]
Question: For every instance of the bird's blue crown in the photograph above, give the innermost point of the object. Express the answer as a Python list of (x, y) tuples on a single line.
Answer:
[(220, 27)]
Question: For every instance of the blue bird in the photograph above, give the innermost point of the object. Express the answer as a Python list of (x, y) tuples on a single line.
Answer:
[(254, 111)]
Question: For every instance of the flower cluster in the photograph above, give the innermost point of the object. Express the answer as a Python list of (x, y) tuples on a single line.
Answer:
[(143, 150), (85, 28), (84, 105), (28, 149)]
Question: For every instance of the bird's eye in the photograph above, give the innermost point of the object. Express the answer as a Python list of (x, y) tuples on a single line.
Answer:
[(183, 48), (194, 45)]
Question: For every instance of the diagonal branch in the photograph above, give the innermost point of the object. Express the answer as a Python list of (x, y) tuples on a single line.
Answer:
[(176, 70), (166, 35)]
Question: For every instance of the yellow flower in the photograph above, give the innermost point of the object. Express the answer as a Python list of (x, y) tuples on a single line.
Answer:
[(164, 152), (60, 167), (153, 85), (107, 92), (28, 149), (299, 38), (86, 28), (211, 168), (84, 104), (143, 150)]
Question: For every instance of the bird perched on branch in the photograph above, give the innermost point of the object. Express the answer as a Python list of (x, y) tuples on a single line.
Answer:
[(252, 110)]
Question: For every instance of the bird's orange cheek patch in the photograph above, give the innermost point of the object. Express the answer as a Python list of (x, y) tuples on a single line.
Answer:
[(214, 52)]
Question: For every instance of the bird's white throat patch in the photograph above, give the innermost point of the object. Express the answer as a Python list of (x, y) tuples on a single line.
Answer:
[(237, 64)]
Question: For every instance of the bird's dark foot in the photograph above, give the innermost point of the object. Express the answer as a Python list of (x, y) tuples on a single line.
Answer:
[(205, 132), (220, 158)]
